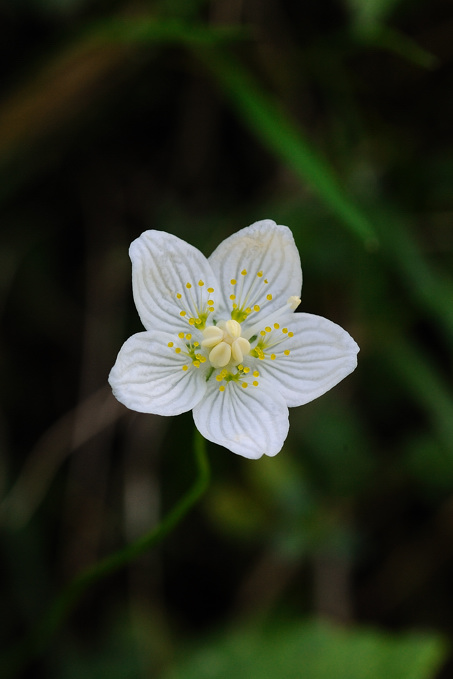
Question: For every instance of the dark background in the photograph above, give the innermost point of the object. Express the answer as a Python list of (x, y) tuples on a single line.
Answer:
[(117, 117)]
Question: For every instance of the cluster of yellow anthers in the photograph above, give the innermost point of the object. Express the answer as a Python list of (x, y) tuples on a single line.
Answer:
[(201, 315), (225, 375), (222, 343)]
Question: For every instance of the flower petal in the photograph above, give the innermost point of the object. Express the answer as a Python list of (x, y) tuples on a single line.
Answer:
[(262, 247), (148, 377), (162, 266), (321, 355), (250, 422)]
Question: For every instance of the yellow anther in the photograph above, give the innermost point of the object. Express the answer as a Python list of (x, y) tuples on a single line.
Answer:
[(233, 281), (293, 302), (196, 344), (210, 290), (181, 335), (272, 357), (259, 274), (262, 333), (192, 321), (219, 377), (210, 302), (240, 366), (285, 330), (182, 313), (255, 383), (256, 308), (266, 281), (232, 297), (268, 328), (276, 326), (200, 283), (235, 306), (188, 286), (246, 369), (212, 336), (221, 388), (170, 344), (290, 334), (286, 352), (178, 295), (185, 367), (244, 272), (196, 363), (197, 321), (188, 336), (248, 310), (220, 355), (269, 297), (244, 384), (177, 350), (240, 348), (256, 373)]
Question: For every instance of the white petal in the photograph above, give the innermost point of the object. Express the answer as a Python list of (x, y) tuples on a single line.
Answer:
[(250, 422), (148, 376), (321, 355), (162, 265), (263, 246)]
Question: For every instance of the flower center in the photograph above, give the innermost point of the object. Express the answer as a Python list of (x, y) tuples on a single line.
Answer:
[(226, 343), (222, 346)]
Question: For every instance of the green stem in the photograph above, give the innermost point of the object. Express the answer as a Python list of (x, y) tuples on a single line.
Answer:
[(18, 657)]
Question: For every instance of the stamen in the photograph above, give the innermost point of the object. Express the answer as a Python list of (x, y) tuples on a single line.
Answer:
[(220, 355)]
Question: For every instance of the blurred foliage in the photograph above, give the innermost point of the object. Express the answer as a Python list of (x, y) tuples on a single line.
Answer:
[(199, 117)]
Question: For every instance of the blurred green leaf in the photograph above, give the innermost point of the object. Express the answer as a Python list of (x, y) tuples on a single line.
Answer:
[(268, 121), (394, 41), (315, 650)]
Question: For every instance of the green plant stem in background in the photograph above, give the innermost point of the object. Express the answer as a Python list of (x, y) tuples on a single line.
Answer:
[(40, 636), (285, 139), (257, 109)]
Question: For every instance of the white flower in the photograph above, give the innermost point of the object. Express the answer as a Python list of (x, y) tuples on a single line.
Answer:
[(222, 338)]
